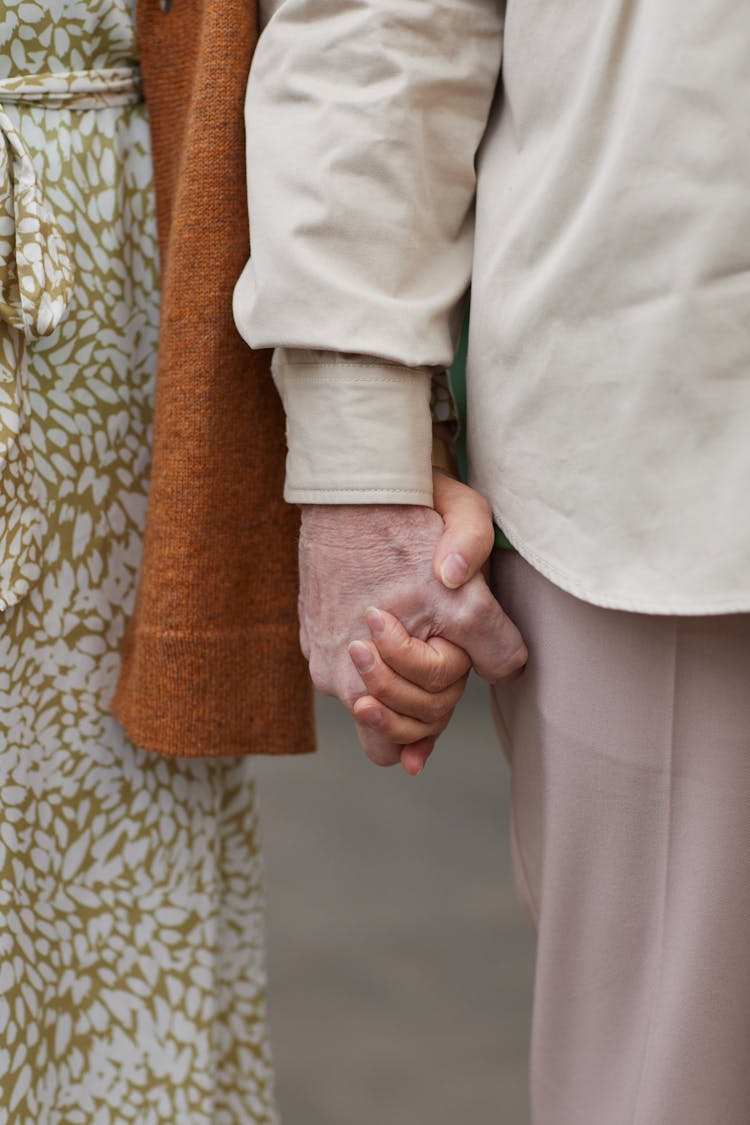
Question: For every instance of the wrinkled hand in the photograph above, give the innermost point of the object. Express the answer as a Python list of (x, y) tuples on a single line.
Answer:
[(353, 557)]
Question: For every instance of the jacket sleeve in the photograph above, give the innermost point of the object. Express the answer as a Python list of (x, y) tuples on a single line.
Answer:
[(363, 121)]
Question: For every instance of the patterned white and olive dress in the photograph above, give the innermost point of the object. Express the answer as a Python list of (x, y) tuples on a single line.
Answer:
[(131, 952)]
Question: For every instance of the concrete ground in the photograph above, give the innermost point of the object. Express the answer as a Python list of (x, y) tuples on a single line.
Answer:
[(400, 961)]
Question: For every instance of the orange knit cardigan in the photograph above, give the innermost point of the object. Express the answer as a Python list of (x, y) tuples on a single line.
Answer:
[(211, 662)]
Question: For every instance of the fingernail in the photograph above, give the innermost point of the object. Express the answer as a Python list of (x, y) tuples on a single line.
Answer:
[(454, 571), (375, 621), (362, 656)]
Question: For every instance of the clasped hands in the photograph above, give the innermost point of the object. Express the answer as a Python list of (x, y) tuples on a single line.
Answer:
[(395, 610)]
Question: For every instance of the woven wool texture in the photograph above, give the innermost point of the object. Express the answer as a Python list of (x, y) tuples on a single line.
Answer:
[(211, 663)]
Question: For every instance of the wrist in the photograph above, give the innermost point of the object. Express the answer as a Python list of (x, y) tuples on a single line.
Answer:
[(352, 525)]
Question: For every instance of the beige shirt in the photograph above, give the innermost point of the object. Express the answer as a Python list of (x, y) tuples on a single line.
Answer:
[(607, 239)]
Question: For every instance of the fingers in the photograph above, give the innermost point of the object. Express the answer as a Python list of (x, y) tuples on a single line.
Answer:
[(488, 635), (469, 534), (400, 694), (378, 748), (389, 725), (432, 665), (413, 688), (414, 756)]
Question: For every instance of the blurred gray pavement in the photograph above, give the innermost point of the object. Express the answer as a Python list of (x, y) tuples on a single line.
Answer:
[(400, 960)]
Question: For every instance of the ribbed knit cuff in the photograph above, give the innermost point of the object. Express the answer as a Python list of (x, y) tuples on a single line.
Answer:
[(166, 677)]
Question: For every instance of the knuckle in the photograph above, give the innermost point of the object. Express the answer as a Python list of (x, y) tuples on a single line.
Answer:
[(430, 709), (403, 646), (380, 759), (515, 664), (320, 673), (378, 750), (440, 714), (437, 726), (471, 606), (391, 727), (436, 676), (401, 729), (476, 597), (454, 693), (443, 721), (389, 691), (348, 697)]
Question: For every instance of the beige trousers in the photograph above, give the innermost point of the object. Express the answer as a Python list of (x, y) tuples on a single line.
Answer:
[(629, 740)]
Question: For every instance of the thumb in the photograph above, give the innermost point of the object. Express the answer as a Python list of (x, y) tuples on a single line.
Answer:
[(469, 535)]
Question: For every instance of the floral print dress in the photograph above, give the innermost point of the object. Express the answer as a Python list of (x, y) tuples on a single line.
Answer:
[(131, 951)]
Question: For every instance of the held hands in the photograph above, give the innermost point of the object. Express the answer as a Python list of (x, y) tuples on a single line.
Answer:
[(413, 686), (400, 671), (396, 662)]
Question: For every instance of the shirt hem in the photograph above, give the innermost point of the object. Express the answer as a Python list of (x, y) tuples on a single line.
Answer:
[(621, 601)]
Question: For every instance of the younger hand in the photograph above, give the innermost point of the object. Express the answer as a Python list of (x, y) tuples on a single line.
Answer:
[(412, 687)]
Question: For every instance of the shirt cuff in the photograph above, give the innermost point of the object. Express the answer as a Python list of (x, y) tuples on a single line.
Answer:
[(359, 430)]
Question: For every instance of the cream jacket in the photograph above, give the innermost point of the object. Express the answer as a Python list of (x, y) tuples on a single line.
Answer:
[(596, 193)]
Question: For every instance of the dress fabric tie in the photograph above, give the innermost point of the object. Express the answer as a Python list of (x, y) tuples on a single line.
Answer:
[(36, 287)]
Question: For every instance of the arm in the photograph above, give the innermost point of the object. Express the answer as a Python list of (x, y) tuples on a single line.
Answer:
[(363, 120)]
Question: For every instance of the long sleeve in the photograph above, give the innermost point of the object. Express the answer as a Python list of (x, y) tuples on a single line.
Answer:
[(363, 121)]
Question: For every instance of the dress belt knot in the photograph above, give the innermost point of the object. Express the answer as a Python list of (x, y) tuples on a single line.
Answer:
[(36, 272)]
